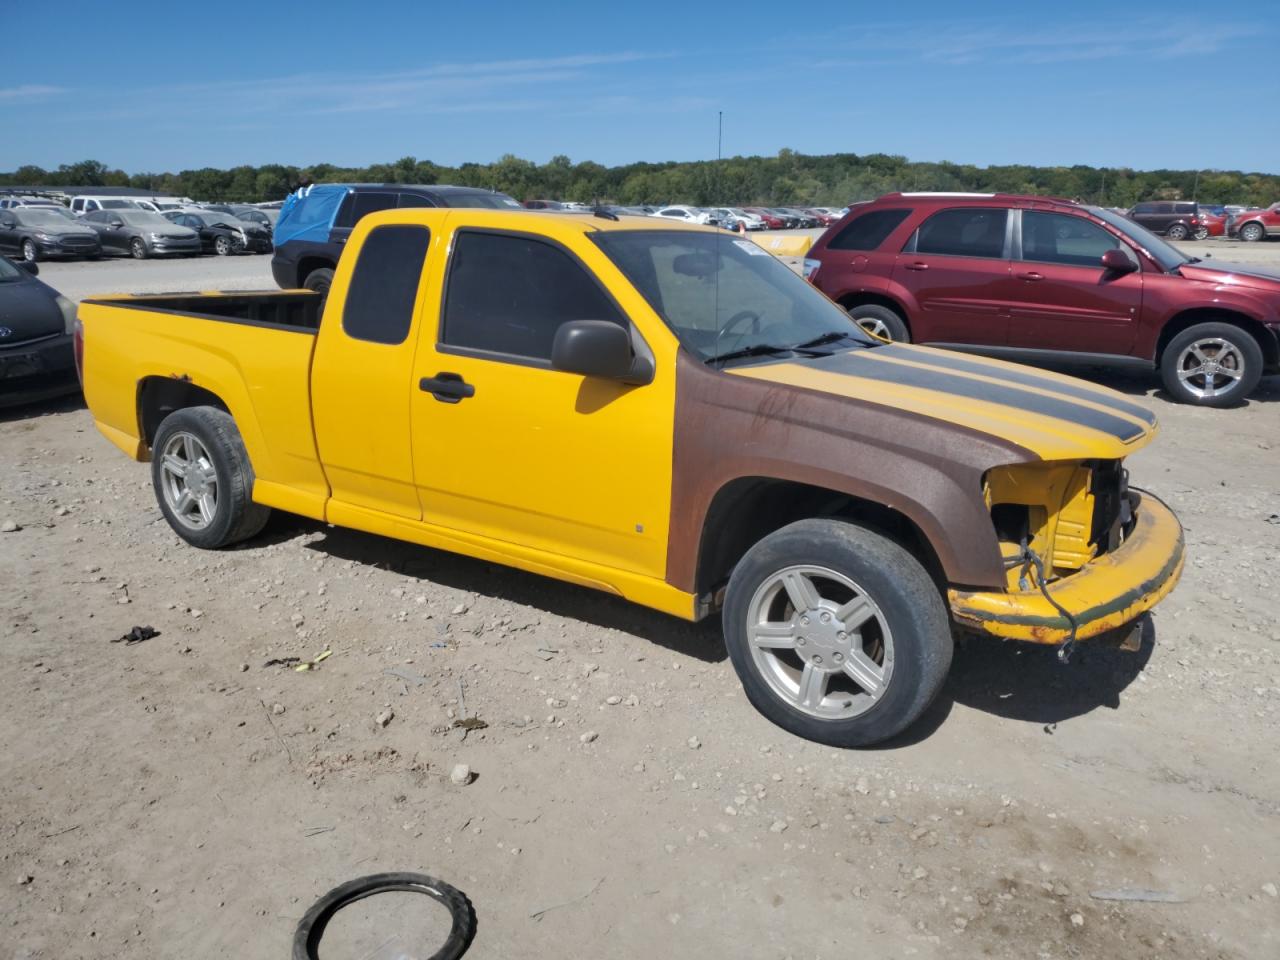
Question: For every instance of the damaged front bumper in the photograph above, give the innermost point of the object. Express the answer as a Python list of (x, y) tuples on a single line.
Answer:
[(1109, 592)]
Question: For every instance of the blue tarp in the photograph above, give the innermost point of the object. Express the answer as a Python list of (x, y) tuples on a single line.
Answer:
[(308, 213)]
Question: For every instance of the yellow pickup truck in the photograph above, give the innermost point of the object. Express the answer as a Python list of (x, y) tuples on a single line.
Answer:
[(660, 411)]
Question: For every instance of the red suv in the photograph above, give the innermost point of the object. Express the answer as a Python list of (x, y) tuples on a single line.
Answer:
[(1256, 225), (1040, 279)]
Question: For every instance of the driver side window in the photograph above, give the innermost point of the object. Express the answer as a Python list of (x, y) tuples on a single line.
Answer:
[(1062, 238)]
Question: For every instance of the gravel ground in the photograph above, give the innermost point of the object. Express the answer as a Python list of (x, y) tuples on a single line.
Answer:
[(179, 797)]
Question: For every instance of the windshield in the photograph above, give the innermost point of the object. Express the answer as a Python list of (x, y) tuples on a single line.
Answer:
[(488, 201), (1164, 253), (143, 218), (724, 296), (38, 217)]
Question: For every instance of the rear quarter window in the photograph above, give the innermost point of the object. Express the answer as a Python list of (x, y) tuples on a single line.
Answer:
[(869, 230), (384, 284)]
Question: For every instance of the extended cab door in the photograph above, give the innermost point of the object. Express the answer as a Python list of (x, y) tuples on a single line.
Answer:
[(508, 449), (954, 270), (1061, 297), (362, 371)]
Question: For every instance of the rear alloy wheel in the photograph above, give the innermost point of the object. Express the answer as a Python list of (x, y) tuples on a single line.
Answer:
[(880, 322), (1211, 365), (1202, 233), (837, 633), (1177, 232), (222, 246), (30, 252), (1252, 232), (138, 249)]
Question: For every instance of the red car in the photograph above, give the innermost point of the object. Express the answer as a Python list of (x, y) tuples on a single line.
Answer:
[(771, 220), (1041, 279), (1211, 225), (1257, 224)]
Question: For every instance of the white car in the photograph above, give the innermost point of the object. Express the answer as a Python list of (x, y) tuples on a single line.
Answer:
[(752, 220), (687, 214), (86, 204)]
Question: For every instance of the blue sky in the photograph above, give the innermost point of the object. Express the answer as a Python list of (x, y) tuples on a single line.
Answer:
[(164, 86)]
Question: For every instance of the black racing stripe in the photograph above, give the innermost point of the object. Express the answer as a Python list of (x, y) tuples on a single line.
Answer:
[(865, 365), (1011, 373)]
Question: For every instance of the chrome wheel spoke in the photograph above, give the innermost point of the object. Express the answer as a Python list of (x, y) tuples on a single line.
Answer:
[(184, 501), (174, 465), (801, 591), (865, 672), (813, 686), (774, 636), (854, 613), (206, 504)]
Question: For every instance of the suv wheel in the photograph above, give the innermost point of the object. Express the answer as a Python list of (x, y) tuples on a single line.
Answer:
[(319, 281), (1252, 232), (1211, 365), (837, 634), (203, 478), (880, 322), (1177, 232)]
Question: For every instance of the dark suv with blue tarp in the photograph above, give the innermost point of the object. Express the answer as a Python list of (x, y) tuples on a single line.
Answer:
[(315, 222)]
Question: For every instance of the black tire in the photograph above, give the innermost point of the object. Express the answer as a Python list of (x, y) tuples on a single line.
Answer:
[(222, 246), (30, 252), (907, 597), (236, 517), (1252, 232), (310, 932), (1246, 349), (868, 315), (319, 280), (1177, 232), (137, 249)]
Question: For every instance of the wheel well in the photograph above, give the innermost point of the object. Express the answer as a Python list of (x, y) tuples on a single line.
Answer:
[(308, 266), (1266, 341), (851, 300), (747, 510), (160, 396)]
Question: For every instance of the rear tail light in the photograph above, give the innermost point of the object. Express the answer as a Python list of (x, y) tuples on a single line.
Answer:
[(810, 268), (77, 343)]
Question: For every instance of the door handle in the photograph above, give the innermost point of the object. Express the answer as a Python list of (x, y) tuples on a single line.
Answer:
[(447, 387), (1031, 276), (917, 266)]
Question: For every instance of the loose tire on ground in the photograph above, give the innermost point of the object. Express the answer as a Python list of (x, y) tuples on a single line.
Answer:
[(207, 439), (901, 646), (319, 281), (1219, 355), (876, 319)]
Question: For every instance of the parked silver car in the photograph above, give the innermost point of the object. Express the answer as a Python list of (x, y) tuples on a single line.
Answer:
[(141, 234)]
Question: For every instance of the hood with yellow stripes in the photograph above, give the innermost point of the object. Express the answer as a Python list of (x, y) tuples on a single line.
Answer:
[(1053, 416)]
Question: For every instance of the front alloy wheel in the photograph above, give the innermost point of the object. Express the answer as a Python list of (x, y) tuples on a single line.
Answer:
[(222, 246), (30, 252), (1211, 365), (138, 249)]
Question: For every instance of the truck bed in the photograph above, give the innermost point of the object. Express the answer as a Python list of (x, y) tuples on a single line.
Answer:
[(290, 310)]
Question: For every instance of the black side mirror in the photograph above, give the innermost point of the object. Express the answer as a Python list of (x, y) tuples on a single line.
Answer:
[(30, 267), (598, 348), (1117, 261)]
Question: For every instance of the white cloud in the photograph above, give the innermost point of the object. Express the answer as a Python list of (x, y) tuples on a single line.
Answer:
[(28, 91)]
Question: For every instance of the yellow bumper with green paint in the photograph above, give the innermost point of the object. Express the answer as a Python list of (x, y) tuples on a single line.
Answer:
[(1109, 592)]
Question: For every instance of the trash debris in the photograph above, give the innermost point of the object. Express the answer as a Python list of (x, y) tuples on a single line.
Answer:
[(385, 717), (539, 914), (545, 653), (282, 662), (9, 526), (316, 831), (408, 676), (313, 663), (1137, 894), (137, 635), (461, 774), (1274, 518), (470, 723)]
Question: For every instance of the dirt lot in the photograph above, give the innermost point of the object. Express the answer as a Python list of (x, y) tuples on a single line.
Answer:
[(179, 798)]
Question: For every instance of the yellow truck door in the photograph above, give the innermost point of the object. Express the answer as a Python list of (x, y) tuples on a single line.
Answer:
[(510, 449), (362, 373)]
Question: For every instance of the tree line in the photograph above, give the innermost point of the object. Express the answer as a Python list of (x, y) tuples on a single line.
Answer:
[(789, 178)]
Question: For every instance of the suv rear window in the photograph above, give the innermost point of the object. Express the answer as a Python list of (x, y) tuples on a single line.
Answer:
[(384, 285), (868, 231), (964, 232)]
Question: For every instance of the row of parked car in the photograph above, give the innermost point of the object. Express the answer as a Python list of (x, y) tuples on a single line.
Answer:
[(38, 228), (750, 218), (1183, 220)]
